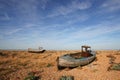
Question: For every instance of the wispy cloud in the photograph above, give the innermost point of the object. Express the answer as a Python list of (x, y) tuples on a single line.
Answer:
[(86, 32), (13, 31), (4, 16), (81, 5), (72, 33), (24, 10), (111, 5), (77, 18), (58, 25), (96, 30), (64, 38), (71, 7), (44, 3), (84, 35), (10, 31)]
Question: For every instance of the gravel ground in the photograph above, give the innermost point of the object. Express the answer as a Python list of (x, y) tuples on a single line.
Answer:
[(15, 65)]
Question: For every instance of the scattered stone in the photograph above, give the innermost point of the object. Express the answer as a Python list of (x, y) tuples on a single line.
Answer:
[(115, 67), (118, 52), (2, 54), (66, 78), (32, 76), (79, 67), (95, 70)]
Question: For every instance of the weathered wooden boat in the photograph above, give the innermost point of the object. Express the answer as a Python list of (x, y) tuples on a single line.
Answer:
[(76, 59), (40, 50), (36, 51)]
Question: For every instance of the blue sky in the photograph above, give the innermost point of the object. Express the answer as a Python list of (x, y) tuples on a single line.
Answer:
[(59, 24)]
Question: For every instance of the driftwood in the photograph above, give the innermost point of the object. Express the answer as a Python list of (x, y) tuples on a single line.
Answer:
[(73, 60)]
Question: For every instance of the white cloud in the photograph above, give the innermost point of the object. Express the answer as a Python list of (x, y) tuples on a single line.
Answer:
[(111, 5), (25, 10), (4, 17), (71, 33), (81, 5), (72, 7), (44, 3), (77, 18), (76, 38), (70, 20), (29, 25), (68, 36), (96, 30), (11, 31), (62, 39)]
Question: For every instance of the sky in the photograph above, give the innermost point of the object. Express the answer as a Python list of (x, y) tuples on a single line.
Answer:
[(59, 24)]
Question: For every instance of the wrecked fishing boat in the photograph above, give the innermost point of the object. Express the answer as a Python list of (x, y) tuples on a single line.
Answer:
[(40, 50), (76, 59)]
